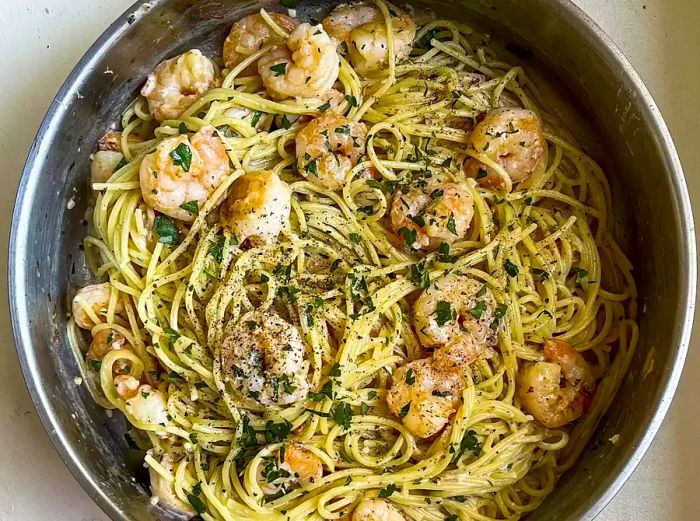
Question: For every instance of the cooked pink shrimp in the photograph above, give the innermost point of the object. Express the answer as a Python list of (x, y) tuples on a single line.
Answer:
[(104, 341), (176, 84), (96, 297), (512, 138), (362, 27), (183, 170), (145, 403), (375, 509), (258, 206), (328, 148), (306, 67), (250, 34), (559, 390), (436, 211), (424, 396)]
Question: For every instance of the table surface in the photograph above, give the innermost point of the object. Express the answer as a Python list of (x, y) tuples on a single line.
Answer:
[(43, 39)]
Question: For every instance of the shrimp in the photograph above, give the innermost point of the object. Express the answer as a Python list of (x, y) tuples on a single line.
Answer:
[(103, 164), (145, 403), (292, 465), (559, 390), (363, 28), (437, 211), (374, 509), (511, 137), (264, 357), (176, 84), (183, 170), (425, 396), (95, 297), (457, 312), (164, 489), (104, 341), (250, 34), (112, 141), (307, 66), (258, 206), (328, 148)]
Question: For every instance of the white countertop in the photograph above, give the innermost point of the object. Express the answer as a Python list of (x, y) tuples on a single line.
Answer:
[(40, 42)]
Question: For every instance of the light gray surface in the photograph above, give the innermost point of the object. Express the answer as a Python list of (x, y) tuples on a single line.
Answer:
[(38, 487)]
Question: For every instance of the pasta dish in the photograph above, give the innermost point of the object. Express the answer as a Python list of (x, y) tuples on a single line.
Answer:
[(351, 269)]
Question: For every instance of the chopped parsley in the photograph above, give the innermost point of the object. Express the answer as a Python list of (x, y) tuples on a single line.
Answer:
[(481, 174), (542, 274), (409, 235), (196, 503), (191, 206), (444, 313), (478, 310), (420, 275), (410, 377), (451, 225), (352, 100), (324, 107), (172, 335), (469, 443), (182, 157), (216, 248), (342, 414), (165, 230), (279, 68), (276, 432), (311, 168), (388, 491), (356, 238), (404, 410), (444, 254), (325, 392), (511, 269), (418, 219), (424, 41)]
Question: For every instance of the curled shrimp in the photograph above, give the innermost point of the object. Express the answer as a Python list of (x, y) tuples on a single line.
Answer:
[(430, 212), (328, 148), (375, 509), (95, 297), (164, 489), (559, 390), (306, 67), (109, 155), (363, 29), (103, 163), (250, 34), (104, 341), (512, 138), (145, 403), (293, 465), (258, 206), (183, 170), (456, 311), (175, 84), (424, 395), (264, 358)]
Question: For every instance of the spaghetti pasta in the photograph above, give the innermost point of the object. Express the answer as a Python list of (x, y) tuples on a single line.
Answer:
[(336, 288)]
